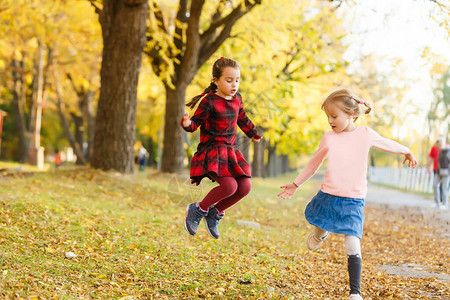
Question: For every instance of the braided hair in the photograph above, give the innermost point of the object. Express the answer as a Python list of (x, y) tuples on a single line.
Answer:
[(217, 70)]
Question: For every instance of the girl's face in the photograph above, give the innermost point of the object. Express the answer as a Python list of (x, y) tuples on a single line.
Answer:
[(339, 120), (228, 83)]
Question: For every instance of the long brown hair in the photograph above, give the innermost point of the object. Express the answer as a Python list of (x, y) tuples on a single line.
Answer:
[(217, 70), (348, 102)]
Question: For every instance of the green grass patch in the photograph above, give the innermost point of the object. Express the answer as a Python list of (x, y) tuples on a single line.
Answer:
[(127, 232), (128, 236)]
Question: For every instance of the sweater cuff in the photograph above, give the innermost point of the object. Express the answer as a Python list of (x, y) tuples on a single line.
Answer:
[(257, 136)]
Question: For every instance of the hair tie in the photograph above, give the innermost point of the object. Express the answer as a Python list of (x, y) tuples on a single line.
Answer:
[(221, 57), (361, 101), (203, 94)]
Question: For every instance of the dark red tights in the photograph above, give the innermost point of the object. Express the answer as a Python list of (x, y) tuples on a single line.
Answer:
[(228, 193)]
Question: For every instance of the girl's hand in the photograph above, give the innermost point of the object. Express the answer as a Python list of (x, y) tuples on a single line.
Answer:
[(186, 120), (289, 191), (256, 140), (412, 162)]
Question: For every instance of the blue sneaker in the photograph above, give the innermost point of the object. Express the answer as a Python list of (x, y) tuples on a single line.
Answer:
[(212, 222), (193, 217)]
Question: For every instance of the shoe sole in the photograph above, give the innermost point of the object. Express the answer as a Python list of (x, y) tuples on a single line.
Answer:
[(185, 218)]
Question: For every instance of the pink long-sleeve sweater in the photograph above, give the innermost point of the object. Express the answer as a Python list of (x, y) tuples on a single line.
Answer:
[(347, 154)]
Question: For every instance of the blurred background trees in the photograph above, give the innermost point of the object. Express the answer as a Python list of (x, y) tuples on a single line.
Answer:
[(291, 55)]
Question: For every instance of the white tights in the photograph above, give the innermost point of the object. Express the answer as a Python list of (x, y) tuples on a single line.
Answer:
[(352, 243)]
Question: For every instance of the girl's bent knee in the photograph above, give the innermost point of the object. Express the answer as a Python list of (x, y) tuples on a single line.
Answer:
[(352, 245), (228, 185)]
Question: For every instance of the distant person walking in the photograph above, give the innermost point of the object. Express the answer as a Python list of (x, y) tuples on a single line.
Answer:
[(433, 160), (338, 206), (142, 157), (58, 159), (441, 179), (217, 158)]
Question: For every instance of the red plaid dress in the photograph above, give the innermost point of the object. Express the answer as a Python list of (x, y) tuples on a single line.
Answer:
[(216, 153)]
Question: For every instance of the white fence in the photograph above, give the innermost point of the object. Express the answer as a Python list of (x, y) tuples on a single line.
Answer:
[(416, 180)]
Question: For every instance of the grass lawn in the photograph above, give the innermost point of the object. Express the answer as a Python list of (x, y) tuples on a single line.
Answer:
[(128, 236)]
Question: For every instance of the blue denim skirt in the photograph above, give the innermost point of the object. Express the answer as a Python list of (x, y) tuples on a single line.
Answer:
[(336, 214)]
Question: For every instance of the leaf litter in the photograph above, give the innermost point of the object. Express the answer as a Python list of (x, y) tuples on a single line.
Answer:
[(127, 235)]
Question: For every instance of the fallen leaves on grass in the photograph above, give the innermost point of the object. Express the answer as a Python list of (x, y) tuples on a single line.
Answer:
[(128, 236)]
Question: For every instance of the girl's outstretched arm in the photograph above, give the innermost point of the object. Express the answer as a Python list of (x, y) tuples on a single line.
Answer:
[(310, 169), (391, 146), (412, 162), (288, 192)]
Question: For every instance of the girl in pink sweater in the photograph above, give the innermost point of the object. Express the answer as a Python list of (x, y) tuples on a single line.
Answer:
[(338, 206)]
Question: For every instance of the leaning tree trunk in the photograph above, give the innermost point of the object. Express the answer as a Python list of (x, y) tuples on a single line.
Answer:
[(87, 122), (76, 146), (123, 27), (193, 46)]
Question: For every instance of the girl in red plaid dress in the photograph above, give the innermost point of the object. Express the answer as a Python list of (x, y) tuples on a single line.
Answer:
[(217, 158)]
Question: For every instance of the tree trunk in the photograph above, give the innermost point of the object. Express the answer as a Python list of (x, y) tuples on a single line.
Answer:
[(87, 122), (159, 149), (123, 26), (36, 155), (79, 136), (76, 146), (243, 144), (173, 151), (19, 109), (90, 121), (259, 150), (272, 162), (193, 47), (246, 142), (151, 153), (285, 164)]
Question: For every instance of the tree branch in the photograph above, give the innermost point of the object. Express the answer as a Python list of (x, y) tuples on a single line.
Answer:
[(188, 64), (239, 11), (180, 22), (159, 18), (153, 46), (97, 9), (78, 92), (60, 104), (209, 45)]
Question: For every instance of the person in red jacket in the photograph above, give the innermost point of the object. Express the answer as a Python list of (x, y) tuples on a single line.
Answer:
[(433, 161), (219, 113), (58, 160)]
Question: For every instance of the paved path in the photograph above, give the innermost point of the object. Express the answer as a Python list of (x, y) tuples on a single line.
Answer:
[(395, 199)]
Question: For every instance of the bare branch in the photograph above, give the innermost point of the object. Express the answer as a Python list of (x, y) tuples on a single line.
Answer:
[(188, 64), (77, 91), (208, 44), (157, 12), (97, 9), (180, 22)]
